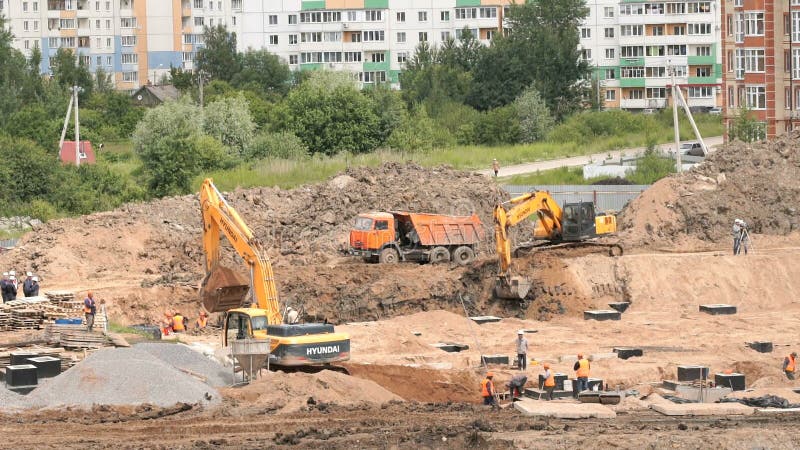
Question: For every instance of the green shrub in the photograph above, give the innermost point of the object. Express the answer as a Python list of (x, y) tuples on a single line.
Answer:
[(282, 144), (418, 132), (651, 168), (460, 120), (42, 210), (499, 126)]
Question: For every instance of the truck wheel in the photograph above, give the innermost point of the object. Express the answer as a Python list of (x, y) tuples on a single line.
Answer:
[(388, 256), (439, 255), (463, 256)]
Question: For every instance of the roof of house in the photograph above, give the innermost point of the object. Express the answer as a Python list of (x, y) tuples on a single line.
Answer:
[(162, 93)]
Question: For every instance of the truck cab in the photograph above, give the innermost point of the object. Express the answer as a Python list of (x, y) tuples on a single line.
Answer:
[(371, 232)]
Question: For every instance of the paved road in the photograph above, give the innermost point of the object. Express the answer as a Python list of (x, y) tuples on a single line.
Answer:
[(574, 161)]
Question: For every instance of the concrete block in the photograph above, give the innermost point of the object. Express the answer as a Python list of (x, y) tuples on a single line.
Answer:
[(672, 385), (451, 347), (602, 314), (761, 346), (702, 409), (718, 309), (480, 320), (494, 359), (20, 375), (538, 394), (559, 378), (18, 358), (46, 366), (589, 397), (561, 410), (627, 352), (611, 398), (599, 356), (709, 395), (691, 373), (567, 358), (620, 306), (734, 381)]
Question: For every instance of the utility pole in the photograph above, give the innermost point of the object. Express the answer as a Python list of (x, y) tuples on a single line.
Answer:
[(200, 79), (675, 124), (75, 90), (66, 122)]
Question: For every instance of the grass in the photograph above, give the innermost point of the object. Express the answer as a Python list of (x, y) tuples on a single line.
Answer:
[(562, 175)]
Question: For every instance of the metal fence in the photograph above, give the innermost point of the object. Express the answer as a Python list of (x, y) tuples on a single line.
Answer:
[(605, 197), (8, 243)]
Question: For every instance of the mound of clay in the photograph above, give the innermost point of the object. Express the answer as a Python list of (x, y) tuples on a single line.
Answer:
[(290, 392), (755, 182), (122, 376)]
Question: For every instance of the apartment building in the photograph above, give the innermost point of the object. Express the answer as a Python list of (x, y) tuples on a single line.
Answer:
[(633, 45), (761, 57)]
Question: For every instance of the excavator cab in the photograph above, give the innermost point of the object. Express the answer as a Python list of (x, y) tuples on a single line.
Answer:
[(578, 221)]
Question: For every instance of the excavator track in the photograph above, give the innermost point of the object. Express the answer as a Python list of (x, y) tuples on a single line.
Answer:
[(309, 369)]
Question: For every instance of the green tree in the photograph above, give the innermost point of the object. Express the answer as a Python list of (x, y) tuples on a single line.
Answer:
[(12, 72), (262, 72), (499, 126), (436, 74), (535, 120), (103, 81), (218, 58), (417, 132), (183, 80), (746, 127), (388, 105), (68, 72), (166, 140), (28, 171), (331, 115), (542, 50), (228, 120)]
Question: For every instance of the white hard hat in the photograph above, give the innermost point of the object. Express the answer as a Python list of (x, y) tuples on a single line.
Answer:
[(11, 272), (28, 274), (35, 278), (13, 277), (5, 274), (520, 332)]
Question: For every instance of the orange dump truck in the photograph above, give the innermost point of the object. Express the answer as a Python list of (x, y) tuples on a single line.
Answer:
[(389, 237)]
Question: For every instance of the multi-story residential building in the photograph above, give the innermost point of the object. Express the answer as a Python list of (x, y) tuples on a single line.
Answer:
[(633, 44), (761, 57)]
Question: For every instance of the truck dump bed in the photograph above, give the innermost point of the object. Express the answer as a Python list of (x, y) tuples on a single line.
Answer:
[(438, 229)]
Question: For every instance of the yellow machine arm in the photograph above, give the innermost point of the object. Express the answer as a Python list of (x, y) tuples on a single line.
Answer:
[(218, 216), (522, 207)]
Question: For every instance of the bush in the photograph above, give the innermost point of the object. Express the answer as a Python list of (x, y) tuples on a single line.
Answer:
[(534, 118), (460, 120), (282, 144), (228, 119), (587, 126), (499, 126), (212, 154), (418, 132), (42, 210), (651, 168)]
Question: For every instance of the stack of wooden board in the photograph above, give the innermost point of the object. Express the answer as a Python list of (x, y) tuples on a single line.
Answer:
[(84, 339)]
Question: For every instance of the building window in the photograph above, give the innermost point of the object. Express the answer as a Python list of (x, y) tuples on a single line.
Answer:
[(352, 56), (631, 30), (199, 21), (753, 61), (658, 30), (753, 24), (586, 33), (423, 36), (701, 92), (292, 39), (656, 92), (655, 50), (330, 16), (730, 24), (109, 61), (586, 54), (445, 36), (679, 30), (35, 6), (787, 23), (611, 94), (703, 50), (699, 7), (610, 53), (130, 58), (656, 72), (293, 21), (632, 51), (466, 13), (273, 39), (702, 71), (609, 32), (445, 16), (128, 41), (731, 98), (130, 77), (488, 13), (676, 8), (402, 57), (67, 24), (739, 70), (730, 60), (490, 34), (608, 11), (374, 16), (676, 50), (680, 71), (401, 16), (355, 37), (198, 4), (611, 74), (130, 22), (787, 98), (738, 35), (796, 63), (25, 25), (700, 28), (796, 98), (352, 16), (795, 26), (422, 16), (756, 97), (293, 60), (373, 36), (636, 94), (378, 57), (635, 9), (273, 19), (27, 44), (401, 37), (108, 24)]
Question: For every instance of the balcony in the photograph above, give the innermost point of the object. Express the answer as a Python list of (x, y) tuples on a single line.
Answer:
[(631, 61), (631, 82), (703, 80), (702, 60)]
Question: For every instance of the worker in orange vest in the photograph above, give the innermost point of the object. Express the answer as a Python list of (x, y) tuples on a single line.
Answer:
[(202, 321), (581, 369), (178, 322), (549, 382), (789, 365), (166, 324), (487, 390)]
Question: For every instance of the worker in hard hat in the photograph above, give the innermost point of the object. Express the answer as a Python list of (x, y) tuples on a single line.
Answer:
[(522, 351), (581, 369), (34, 286), (291, 315), (790, 365), (487, 391), (202, 320), (166, 324), (89, 310), (549, 384), (178, 322)]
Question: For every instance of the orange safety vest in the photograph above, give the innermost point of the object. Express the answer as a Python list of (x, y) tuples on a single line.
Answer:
[(177, 323), (486, 387), (791, 366), (550, 381), (583, 368), (86, 309), (202, 321)]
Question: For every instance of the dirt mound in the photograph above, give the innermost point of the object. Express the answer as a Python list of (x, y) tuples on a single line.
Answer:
[(122, 376), (755, 182), (290, 392)]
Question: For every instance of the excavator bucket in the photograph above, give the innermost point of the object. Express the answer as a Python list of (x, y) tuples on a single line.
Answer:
[(512, 288), (223, 289)]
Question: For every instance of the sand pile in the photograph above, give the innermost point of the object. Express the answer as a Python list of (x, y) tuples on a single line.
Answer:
[(290, 392), (755, 182), (122, 376)]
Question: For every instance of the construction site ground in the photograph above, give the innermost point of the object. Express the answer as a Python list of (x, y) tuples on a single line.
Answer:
[(403, 392)]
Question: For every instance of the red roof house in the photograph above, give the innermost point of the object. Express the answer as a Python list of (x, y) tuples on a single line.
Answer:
[(67, 153)]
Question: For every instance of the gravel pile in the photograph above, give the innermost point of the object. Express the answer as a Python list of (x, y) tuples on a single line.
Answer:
[(183, 357), (122, 376), (10, 400)]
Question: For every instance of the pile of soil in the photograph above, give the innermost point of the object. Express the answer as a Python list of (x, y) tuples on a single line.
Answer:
[(756, 182), (290, 392)]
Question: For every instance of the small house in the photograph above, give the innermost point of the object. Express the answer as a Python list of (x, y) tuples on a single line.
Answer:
[(67, 153), (150, 96)]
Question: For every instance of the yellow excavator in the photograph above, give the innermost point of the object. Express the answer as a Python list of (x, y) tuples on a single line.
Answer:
[(224, 290), (576, 224)]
